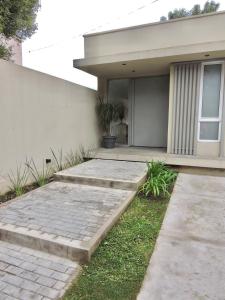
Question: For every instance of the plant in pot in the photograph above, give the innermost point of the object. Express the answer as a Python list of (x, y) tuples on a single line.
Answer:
[(107, 112), (121, 128)]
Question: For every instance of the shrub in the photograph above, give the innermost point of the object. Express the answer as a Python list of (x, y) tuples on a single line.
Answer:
[(160, 179)]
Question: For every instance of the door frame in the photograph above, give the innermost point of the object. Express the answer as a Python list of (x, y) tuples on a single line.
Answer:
[(219, 119), (131, 105)]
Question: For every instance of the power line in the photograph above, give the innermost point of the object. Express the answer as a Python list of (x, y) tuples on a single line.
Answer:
[(93, 29)]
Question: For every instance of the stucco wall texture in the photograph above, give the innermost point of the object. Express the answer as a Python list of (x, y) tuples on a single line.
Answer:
[(39, 112)]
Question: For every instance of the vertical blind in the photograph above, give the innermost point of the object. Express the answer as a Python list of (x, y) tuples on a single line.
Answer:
[(185, 102)]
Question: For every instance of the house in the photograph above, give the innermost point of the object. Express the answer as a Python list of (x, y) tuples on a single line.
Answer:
[(171, 77), (15, 45)]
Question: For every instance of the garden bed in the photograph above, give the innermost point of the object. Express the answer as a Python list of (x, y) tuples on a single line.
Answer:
[(18, 180), (28, 188)]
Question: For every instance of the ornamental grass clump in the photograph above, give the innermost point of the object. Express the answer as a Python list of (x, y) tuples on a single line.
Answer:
[(73, 158), (160, 180), (58, 161), (40, 175), (18, 180)]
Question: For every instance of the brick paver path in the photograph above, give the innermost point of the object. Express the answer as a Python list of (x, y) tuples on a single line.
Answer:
[(30, 274), (63, 209), (62, 218)]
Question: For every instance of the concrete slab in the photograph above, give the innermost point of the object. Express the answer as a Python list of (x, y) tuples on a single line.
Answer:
[(107, 173), (189, 259), (64, 219), (28, 274), (143, 154), (185, 269), (210, 186), (198, 217)]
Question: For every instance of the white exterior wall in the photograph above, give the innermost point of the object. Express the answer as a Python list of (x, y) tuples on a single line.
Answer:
[(210, 29), (39, 111), (202, 148)]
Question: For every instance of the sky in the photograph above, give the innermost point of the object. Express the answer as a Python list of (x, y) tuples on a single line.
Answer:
[(62, 23)]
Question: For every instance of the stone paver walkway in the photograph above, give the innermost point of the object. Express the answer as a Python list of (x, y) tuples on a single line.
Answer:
[(62, 218), (30, 274), (108, 173), (189, 258), (43, 232)]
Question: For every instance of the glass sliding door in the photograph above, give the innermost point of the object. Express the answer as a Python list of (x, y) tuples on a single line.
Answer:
[(211, 100)]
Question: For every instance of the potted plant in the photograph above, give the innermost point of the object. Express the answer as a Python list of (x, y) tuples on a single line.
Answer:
[(107, 112), (121, 128)]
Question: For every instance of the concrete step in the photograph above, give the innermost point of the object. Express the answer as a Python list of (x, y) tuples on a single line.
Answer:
[(30, 274), (107, 173), (65, 219)]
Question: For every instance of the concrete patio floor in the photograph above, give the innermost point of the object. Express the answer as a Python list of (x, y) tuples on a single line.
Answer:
[(143, 154), (189, 259), (63, 219)]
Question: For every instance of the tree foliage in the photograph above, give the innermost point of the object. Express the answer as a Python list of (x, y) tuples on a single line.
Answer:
[(17, 20), (209, 6), (5, 52)]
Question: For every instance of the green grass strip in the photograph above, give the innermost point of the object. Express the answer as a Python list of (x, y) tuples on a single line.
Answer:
[(118, 267)]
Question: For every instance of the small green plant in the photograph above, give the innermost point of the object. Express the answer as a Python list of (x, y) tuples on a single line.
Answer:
[(107, 112), (18, 180), (159, 181), (73, 158), (85, 153), (121, 111), (59, 164), (41, 176)]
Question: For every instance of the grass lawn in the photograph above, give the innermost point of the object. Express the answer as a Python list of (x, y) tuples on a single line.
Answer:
[(118, 267)]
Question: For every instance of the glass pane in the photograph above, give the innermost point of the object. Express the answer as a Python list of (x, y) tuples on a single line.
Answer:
[(118, 90), (209, 131), (211, 91)]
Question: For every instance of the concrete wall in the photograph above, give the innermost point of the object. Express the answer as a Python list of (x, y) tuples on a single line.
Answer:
[(208, 149), (210, 29), (39, 111)]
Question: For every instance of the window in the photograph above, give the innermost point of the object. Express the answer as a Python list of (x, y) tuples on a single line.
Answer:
[(211, 95)]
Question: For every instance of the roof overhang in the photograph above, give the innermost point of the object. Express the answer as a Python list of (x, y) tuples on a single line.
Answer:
[(151, 62)]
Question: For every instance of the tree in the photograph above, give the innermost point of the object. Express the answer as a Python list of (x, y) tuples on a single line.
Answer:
[(209, 6), (5, 52), (178, 13), (17, 20), (163, 18), (196, 10)]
